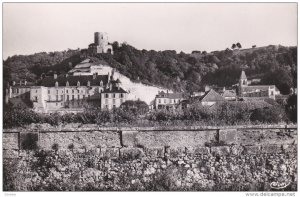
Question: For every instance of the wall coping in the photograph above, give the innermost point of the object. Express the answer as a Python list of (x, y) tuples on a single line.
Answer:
[(94, 127)]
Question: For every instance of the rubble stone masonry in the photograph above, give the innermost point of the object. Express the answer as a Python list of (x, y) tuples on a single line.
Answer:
[(243, 158)]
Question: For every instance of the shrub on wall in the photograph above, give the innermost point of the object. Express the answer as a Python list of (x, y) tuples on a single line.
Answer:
[(273, 114), (16, 116)]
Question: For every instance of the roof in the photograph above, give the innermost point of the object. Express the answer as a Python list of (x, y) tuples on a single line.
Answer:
[(243, 75), (255, 88), (211, 95), (229, 93), (62, 80), (114, 90), (163, 94)]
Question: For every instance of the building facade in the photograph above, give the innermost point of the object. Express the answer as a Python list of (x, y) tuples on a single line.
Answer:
[(66, 93), (166, 100), (244, 90), (17, 90)]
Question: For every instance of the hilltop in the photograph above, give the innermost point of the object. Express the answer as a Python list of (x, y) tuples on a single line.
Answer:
[(178, 71)]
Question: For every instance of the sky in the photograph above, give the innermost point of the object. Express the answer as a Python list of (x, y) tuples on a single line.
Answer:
[(44, 27)]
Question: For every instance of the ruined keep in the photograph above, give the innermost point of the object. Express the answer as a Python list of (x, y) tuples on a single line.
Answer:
[(100, 44)]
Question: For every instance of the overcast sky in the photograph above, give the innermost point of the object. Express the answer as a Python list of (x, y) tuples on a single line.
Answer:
[(37, 27)]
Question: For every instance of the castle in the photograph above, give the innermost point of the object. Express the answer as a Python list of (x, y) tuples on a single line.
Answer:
[(100, 44)]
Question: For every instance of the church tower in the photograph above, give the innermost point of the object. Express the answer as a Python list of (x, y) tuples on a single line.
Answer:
[(242, 82), (243, 79)]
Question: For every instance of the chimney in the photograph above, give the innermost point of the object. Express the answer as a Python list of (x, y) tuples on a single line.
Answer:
[(110, 87), (55, 76), (25, 82), (94, 75), (67, 75), (14, 83)]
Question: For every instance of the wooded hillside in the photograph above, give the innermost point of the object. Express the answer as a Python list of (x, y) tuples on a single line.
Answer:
[(180, 71)]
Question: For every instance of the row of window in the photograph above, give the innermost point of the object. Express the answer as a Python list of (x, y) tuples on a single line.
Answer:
[(114, 101), (19, 90), (114, 95), (78, 83), (171, 101), (69, 97)]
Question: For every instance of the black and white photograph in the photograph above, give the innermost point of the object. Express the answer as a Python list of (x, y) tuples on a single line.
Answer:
[(149, 97)]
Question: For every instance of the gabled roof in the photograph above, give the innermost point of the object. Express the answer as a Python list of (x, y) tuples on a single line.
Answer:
[(255, 88), (211, 96), (229, 93), (114, 89), (49, 81), (243, 75), (163, 94)]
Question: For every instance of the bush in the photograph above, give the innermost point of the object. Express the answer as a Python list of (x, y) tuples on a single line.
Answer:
[(268, 115), (135, 107), (16, 116)]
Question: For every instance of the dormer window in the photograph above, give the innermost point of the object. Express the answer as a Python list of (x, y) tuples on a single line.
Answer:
[(78, 83), (88, 83), (67, 84), (101, 83), (56, 84)]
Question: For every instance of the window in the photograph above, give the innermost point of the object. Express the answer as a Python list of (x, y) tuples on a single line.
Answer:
[(114, 106), (106, 101), (78, 97), (35, 91), (62, 91), (62, 97), (78, 91), (35, 98), (56, 104), (83, 96), (114, 101), (17, 90), (272, 93), (106, 96), (72, 97), (165, 100), (106, 106), (68, 98), (121, 95), (72, 91), (121, 101), (56, 91), (56, 97), (159, 101), (48, 91), (67, 91), (114, 95), (49, 98)]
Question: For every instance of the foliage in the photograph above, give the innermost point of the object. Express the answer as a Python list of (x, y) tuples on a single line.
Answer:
[(272, 114), (178, 71), (135, 107)]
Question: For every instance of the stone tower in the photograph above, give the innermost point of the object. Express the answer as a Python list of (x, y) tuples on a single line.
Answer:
[(100, 44)]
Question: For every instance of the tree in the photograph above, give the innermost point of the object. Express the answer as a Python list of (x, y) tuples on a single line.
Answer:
[(239, 45), (233, 46), (136, 107)]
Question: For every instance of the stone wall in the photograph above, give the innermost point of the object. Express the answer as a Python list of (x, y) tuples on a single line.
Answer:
[(243, 158)]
